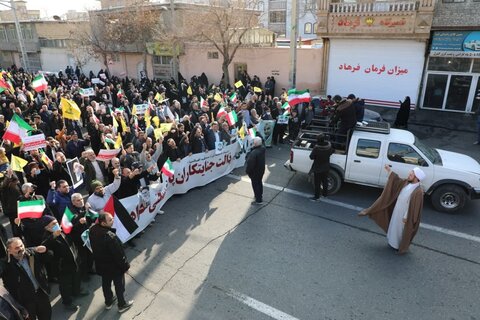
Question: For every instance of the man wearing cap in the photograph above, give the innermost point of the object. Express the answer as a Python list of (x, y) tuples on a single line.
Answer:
[(100, 195), (399, 208)]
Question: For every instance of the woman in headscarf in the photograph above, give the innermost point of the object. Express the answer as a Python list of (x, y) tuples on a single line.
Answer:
[(403, 114)]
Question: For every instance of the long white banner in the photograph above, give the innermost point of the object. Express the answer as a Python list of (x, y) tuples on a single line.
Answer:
[(191, 172)]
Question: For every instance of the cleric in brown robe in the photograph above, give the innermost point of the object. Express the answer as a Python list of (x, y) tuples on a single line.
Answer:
[(399, 208)]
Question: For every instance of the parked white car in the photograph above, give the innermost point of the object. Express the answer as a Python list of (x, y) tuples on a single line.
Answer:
[(451, 178)]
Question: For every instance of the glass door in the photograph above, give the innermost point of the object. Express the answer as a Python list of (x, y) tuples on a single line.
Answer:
[(458, 92), (476, 97), (435, 91)]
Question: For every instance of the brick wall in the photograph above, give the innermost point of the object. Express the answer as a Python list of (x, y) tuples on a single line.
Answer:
[(461, 14)]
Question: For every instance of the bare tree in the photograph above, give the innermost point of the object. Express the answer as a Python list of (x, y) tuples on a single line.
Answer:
[(224, 24)]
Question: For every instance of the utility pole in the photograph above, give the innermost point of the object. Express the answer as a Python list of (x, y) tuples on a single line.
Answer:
[(174, 43), (293, 44), (21, 44)]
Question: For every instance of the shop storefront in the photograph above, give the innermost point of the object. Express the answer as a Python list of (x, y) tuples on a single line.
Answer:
[(452, 75)]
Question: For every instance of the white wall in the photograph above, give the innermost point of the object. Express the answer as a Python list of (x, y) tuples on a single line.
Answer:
[(385, 55)]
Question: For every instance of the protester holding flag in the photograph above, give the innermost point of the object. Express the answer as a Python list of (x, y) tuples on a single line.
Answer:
[(66, 253), (111, 262), (101, 194), (76, 220)]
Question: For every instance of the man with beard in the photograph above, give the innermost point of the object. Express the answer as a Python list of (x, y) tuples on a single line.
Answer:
[(399, 208), (25, 278), (101, 194)]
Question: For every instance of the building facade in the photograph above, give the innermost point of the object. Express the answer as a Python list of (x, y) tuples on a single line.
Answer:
[(451, 79), (375, 49)]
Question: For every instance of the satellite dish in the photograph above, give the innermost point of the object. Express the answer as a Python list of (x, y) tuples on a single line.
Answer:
[(57, 18)]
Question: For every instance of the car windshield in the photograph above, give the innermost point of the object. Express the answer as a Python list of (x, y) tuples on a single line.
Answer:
[(431, 153)]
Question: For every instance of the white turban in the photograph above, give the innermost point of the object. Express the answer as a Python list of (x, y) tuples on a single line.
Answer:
[(419, 173)]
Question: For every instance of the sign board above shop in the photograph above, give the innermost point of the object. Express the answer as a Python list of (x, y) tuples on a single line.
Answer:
[(372, 24), (455, 44)]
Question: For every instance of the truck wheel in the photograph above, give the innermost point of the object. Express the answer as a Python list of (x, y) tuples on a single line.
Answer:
[(334, 182), (448, 198)]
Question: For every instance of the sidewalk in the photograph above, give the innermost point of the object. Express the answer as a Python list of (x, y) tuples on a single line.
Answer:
[(433, 118)]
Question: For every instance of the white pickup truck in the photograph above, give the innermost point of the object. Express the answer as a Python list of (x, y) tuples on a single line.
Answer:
[(451, 177)]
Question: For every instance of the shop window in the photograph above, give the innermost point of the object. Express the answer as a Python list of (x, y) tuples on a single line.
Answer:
[(449, 64), (458, 92), (3, 33), (278, 17), (476, 64), (161, 59), (368, 148), (12, 33), (435, 91), (307, 29), (403, 153), (212, 55)]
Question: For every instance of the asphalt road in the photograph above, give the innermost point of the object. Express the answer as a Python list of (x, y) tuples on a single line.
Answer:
[(215, 256)]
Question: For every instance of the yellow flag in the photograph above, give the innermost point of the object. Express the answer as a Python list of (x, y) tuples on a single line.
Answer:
[(238, 84), (134, 110), (147, 117), (241, 132), (158, 97), (115, 122), (156, 121), (158, 133), (189, 90), (217, 97), (118, 142), (70, 109), (18, 163), (166, 127), (124, 124), (257, 89), (30, 95)]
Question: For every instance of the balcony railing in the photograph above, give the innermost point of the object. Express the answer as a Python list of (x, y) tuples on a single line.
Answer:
[(277, 5), (403, 6), (374, 6)]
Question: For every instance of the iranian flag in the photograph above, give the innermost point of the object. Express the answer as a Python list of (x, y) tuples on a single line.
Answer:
[(203, 102), (17, 130), (252, 132), (232, 118), (167, 168), (298, 96), (67, 218), (39, 83), (31, 209), (122, 221), (233, 97), (221, 112)]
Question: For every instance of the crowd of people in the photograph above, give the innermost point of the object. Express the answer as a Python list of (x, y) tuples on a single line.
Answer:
[(193, 117), (40, 252)]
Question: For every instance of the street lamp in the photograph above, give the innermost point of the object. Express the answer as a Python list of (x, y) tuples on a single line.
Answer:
[(23, 52)]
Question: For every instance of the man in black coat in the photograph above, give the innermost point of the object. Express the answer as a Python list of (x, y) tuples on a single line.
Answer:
[(321, 165), (256, 168), (26, 279), (66, 254), (110, 261)]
